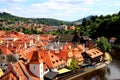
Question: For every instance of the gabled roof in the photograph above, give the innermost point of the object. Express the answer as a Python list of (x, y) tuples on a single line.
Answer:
[(8, 76), (5, 51), (94, 53), (52, 60), (10, 73), (63, 54), (66, 38), (78, 55), (81, 47), (36, 58), (18, 71)]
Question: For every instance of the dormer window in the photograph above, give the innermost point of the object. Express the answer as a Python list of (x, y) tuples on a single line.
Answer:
[(34, 67), (56, 60), (53, 62), (12, 50), (52, 56), (94, 53), (60, 59)]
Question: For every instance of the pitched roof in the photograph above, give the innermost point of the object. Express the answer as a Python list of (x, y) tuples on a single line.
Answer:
[(66, 38), (81, 47), (51, 75), (78, 55), (94, 53), (52, 60), (36, 58), (18, 71), (63, 54), (5, 51)]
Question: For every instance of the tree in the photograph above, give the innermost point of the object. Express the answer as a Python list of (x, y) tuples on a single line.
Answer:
[(84, 22), (103, 44), (74, 64)]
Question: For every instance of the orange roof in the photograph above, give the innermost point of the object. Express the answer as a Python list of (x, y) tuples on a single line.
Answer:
[(14, 71), (67, 46), (94, 53), (63, 54), (9, 76), (26, 69), (5, 51), (36, 58), (75, 49), (52, 60), (78, 55), (80, 47), (18, 71)]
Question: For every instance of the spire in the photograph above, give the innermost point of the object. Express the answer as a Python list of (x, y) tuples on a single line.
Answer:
[(36, 58)]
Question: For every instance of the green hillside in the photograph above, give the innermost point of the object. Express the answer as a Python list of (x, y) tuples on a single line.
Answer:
[(7, 16), (93, 26), (97, 26)]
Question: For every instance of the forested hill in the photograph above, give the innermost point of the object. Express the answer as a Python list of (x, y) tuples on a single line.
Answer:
[(48, 21), (97, 26)]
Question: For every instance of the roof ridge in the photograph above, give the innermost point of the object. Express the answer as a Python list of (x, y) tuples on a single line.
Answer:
[(26, 73), (13, 70)]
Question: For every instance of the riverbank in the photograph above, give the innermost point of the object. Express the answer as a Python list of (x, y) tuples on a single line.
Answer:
[(99, 66)]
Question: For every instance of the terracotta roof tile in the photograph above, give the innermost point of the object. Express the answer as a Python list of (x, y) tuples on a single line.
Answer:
[(94, 53), (52, 60), (36, 58), (5, 51), (81, 48)]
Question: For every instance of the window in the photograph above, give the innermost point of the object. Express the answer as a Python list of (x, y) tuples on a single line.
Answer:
[(53, 62), (41, 73), (60, 59), (52, 56), (12, 50), (34, 67), (56, 60), (12, 79), (94, 53), (46, 69), (41, 67)]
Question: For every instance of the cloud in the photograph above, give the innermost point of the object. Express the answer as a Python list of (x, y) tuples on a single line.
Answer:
[(12, 1), (116, 4), (65, 5), (58, 9)]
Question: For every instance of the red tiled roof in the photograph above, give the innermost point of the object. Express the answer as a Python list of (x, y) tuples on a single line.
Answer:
[(5, 51), (94, 53), (18, 71), (36, 58), (80, 47), (78, 55), (52, 60)]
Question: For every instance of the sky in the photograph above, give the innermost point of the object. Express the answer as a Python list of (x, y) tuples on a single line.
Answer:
[(68, 10)]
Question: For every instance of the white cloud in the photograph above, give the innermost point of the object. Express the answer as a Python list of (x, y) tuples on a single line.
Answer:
[(116, 4), (58, 9), (12, 1), (65, 5)]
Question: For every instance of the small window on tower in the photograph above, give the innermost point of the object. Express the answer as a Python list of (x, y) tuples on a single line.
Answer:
[(34, 67)]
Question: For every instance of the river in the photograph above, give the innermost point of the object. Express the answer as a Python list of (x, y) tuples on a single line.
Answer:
[(110, 72)]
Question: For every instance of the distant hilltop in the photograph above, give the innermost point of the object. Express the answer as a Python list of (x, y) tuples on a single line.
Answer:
[(48, 21)]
